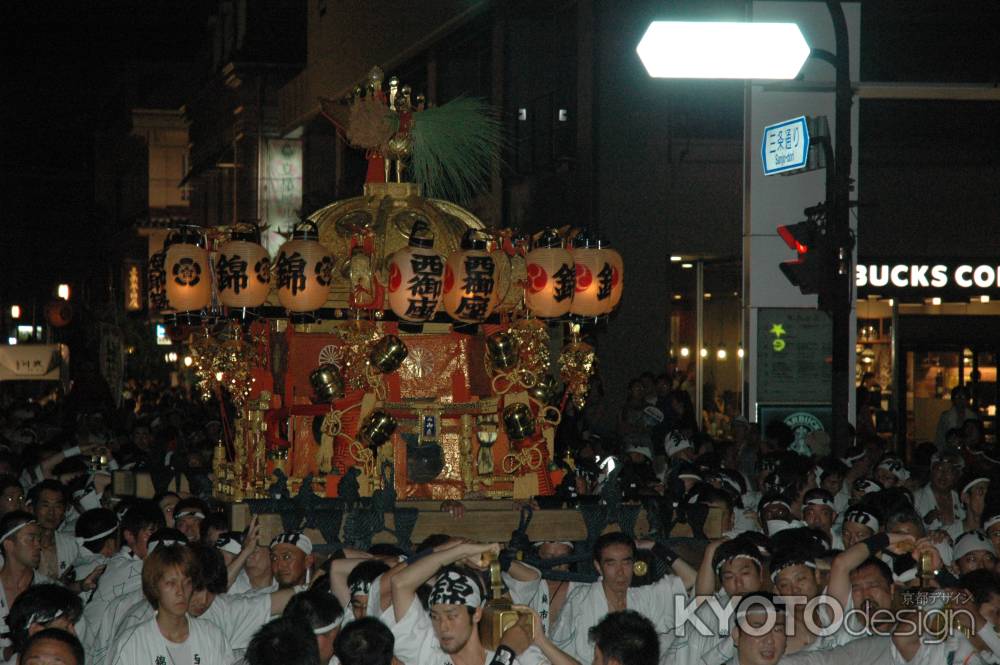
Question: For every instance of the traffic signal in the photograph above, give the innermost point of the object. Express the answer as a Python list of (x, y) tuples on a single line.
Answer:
[(812, 271)]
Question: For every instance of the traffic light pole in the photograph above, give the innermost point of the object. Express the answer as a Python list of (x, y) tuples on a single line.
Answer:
[(838, 219)]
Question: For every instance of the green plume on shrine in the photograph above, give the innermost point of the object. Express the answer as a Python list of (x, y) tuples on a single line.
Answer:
[(456, 147)]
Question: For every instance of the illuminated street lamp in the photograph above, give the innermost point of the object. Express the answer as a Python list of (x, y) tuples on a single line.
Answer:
[(15, 311), (63, 291), (722, 50)]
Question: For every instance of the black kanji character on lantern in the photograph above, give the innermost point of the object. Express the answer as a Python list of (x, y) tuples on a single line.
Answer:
[(263, 270), (473, 308), (565, 279), (187, 272), (422, 308), (324, 271), (426, 280), (604, 282), (232, 273), (478, 275), (291, 272)]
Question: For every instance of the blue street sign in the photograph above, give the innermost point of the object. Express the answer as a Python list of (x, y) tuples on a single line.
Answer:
[(785, 146)]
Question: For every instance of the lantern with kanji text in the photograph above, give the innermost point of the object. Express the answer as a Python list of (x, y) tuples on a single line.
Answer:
[(470, 279), (614, 260), (243, 271), (595, 277), (303, 271), (188, 277), (551, 277), (416, 273)]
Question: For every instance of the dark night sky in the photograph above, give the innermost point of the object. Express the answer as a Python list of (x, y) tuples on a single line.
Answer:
[(71, 66), (68, 68)]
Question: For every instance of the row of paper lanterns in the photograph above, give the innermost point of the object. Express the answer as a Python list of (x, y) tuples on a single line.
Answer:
[(583, 281)]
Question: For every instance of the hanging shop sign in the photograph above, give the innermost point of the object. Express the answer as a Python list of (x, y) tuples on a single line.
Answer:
[(898, 278)]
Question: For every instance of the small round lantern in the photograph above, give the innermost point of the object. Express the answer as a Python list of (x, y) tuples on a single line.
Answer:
[(189, 279), (416, 273), (243, 271), (614, 259), (595, 275), (303, 271), (470, 281), (551, 279)]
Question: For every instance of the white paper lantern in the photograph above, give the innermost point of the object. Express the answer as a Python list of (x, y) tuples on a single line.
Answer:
[(470, 281), (189, 280), (242, 272), (303, 271), (614, 259), (551, 280), (416, 276), (594, 276)]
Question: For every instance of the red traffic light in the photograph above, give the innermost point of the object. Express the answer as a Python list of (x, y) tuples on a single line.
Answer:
[(798, 236)]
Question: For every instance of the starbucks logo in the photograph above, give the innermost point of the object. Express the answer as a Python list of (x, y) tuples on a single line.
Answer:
[(802, 423)]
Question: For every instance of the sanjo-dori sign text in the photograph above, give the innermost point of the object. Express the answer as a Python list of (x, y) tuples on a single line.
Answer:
[(969, 277), (785, 146)]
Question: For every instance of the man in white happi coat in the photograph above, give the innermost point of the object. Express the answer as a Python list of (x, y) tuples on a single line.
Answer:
[(614, 557)]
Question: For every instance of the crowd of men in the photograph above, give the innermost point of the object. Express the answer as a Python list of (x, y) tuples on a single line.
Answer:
[(805, 559)]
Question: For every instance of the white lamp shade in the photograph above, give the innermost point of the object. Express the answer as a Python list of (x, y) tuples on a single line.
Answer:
[(551, 282), (243, 274), (189, 280), (303, 271), (416, 276), (593, 283), (470, 285), (614, 259)]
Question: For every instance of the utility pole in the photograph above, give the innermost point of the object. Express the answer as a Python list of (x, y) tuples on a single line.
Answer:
[(838, 216)]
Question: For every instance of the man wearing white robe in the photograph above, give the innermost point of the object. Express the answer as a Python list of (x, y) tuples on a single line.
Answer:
[(614, 556)]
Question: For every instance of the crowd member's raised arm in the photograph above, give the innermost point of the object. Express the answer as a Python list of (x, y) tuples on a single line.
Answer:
[(705, 581), (839, 587), (420, 569)]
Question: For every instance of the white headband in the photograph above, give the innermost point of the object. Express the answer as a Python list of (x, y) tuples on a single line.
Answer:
[(193, 512), (820, 501), (16, 529), (326, 629), (361, 588), (972, 541), (991, 521), (863, 518), (789, 564), (454, 588), (153, 544), (756, 560), (97, 536), (974, 481), (231, 545), (777, 526), (300, 540), (40, 617)]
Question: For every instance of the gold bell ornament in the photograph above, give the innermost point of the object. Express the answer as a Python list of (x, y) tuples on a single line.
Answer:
[(388, 354), (327, 382)]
